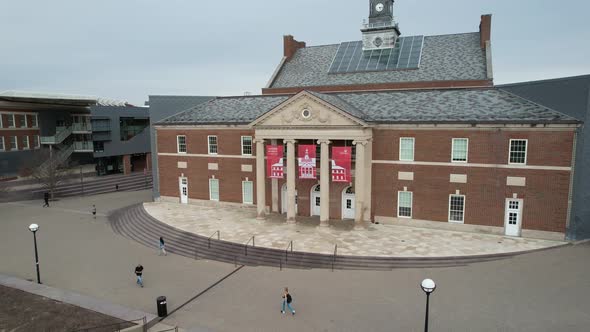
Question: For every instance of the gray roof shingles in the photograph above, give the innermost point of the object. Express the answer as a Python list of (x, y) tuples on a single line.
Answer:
[(425, 106), (227, 110), (444, 58)]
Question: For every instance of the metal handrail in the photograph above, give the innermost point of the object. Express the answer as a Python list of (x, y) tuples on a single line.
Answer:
[(246, 245), (118, 325), (335, 253), (175, 329), (287, 250), (209, 239)]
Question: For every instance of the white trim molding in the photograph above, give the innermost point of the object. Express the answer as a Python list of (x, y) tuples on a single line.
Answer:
[(193, 155), (429, 163)]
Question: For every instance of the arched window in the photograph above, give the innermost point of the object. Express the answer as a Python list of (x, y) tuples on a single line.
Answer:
[(350, 190), (317, 188)]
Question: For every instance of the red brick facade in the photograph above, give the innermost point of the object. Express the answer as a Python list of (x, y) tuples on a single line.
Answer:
[(21, 130), (545, 194)]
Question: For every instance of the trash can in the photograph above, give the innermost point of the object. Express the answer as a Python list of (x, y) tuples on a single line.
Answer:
[(162, 306)]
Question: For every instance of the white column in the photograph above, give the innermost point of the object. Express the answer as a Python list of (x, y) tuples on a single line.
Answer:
[(291, 162), (260, 180), (369, 179), (359, 182), (324, 182), (275, 189)]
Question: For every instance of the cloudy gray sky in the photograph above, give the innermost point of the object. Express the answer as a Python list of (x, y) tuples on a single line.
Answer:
[(129, 49)]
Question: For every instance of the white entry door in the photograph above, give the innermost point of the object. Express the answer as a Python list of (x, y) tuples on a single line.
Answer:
[(315, 201), (183, 185), (348, 203), (513, 217), (284, 200)]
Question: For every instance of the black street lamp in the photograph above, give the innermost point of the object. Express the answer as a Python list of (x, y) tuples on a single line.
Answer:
[(428, 286), (34, 228)]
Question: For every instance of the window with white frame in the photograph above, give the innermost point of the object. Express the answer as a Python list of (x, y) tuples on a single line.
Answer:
[(460, 150), (212, 144), (518, 151), (247, 192), (10, 120), (25, 142), (36, 142), (404, 204), (246, 145), (2, 148), (406, 149), (34, 121), (13, 143), (457, 208), (22, 120), (181, 143), (214, 189)]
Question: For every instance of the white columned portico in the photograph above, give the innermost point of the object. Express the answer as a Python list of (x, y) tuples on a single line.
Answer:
[(324, 182), (359, 181), (260, 180), (368, 179), (291, 161), (274, 189)]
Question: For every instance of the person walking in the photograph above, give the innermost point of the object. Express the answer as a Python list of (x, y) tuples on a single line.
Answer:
[(46, 199), (287, 299), (139, 274), (162, 247), (94, 211)]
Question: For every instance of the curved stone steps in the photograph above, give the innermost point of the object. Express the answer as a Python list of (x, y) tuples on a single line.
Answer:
[(136, 224)]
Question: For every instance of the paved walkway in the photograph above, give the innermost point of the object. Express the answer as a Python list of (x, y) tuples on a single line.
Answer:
[(543, 291), (240, 224)]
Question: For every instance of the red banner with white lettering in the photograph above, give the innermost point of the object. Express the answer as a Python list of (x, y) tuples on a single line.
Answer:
[(306, 158), (341, 163), (275, 167)]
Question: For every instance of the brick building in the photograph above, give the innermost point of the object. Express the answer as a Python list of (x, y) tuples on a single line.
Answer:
[(433, 142)]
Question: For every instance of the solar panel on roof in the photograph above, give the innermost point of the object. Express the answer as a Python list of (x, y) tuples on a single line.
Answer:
[(351, 58)]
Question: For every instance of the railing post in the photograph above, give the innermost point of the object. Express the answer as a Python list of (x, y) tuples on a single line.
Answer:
[(281, 264)]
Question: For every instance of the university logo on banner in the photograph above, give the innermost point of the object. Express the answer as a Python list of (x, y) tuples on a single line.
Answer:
[(341, 164), (275, 167), (306, 154)]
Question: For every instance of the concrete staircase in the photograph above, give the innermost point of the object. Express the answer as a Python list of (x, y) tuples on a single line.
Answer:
[(136, 224), (102, 185)]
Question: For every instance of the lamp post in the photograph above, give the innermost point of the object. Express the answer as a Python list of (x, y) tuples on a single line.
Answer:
[(34, 228), (428, 286)]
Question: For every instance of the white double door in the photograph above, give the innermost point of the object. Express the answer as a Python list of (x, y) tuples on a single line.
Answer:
[(316, 203), (183, 186), (348, 206), (513, 217), (284, 200)]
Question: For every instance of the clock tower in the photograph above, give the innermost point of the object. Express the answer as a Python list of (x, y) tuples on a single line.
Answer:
[(381, 32)]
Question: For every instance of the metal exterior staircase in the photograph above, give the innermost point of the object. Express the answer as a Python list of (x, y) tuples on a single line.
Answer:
[(61, 133)]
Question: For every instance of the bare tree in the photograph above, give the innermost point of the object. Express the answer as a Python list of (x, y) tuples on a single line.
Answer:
[(49, 171)]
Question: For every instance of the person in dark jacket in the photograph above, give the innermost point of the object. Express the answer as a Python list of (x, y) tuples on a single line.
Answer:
[(139, 274), (162, 247), (287, 299), (46, 199)]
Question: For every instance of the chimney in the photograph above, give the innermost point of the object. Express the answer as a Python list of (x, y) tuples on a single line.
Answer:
[(485, 30), (291, 46)]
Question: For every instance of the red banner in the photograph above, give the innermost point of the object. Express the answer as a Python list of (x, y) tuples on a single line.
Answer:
[(275, 167), (306, 158), (341, 164)]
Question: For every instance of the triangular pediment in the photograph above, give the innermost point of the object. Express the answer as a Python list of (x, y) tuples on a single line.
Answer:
[(307, 110)]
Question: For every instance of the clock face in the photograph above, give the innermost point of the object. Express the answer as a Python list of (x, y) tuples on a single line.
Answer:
[(378, 41), (379, 7)]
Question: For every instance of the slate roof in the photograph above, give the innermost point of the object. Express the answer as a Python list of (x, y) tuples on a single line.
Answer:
[(451, 106), (163, 106), (227, 110), (424, 106), (444, 58)]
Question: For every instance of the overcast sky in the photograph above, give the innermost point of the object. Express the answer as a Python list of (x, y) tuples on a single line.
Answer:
[(129, 49)]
